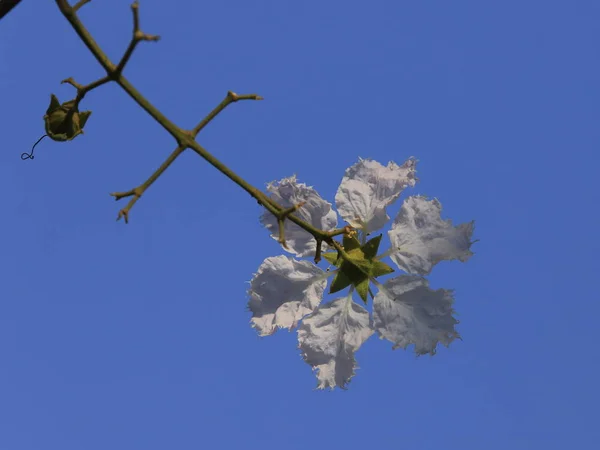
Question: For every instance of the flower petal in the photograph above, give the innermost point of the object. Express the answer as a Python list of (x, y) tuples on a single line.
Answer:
[(406, 311), (421, 239), (368, 188), (329, 337), (316, 211), (282, 292)]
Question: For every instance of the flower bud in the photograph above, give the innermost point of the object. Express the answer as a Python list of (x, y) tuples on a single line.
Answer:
[(64, 122)]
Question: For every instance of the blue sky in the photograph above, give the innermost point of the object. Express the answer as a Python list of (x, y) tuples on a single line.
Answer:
[(137, 336)]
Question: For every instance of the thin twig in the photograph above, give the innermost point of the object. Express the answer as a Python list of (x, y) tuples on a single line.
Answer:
[(79, 4), (139, 191), (230, 98), (138, 36)]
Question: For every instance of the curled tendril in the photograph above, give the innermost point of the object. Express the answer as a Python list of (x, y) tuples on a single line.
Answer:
[(25, 156)]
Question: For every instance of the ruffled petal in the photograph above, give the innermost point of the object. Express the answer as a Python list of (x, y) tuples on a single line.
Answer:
[(406, 311), (282, 292), (368, 188), (421, 239), (329, 337)]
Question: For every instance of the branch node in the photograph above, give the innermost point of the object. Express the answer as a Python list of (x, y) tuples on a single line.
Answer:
[(236, 97), (286, 212), (281, 216), (231, 97), (137, 192), (138, 35), (123, 214)]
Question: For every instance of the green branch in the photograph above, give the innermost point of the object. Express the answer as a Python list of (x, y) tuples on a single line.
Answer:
[(230, 98), (139, 191), (186, 139), (70, 14)]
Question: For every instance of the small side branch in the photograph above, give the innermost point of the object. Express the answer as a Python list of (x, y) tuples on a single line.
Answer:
[(329, 238), (230, 98), (82, 90), (137, 192), (347, 230), (138, 36), (318, 251), (79, 4), (281, 216)]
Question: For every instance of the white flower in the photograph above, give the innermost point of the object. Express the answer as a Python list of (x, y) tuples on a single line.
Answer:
[(406, 311), (421, 239)]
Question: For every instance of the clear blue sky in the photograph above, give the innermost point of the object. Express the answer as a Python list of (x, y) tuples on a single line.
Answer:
[(137, 336)]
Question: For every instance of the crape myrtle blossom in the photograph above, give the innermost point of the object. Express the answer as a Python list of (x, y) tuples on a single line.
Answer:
[(286, 291)]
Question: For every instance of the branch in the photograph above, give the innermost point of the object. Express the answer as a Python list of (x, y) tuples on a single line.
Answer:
[(185, 139), (137, 37), (70, 14), (231, 97), (82, 90), (264, 200), (138, 191), (79, 4), (6, 6), (282, 215)]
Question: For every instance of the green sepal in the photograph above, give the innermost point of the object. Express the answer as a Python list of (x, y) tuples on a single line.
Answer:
[(340, 282), (54, 104), (332, 258), (64, 122), (371, 247), (360, 266), (350, 243), (363, 290), (350, 273), (83, 117), (379, 268)]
